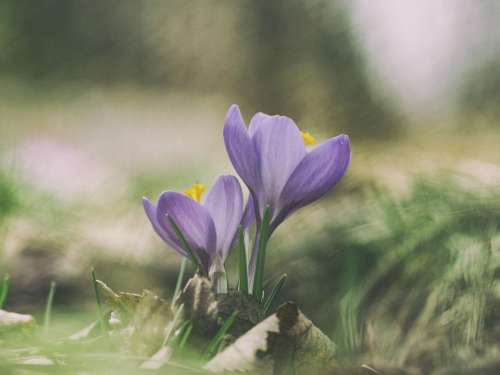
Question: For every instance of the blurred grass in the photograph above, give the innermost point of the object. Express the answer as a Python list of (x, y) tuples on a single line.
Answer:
[(409, 279), (412, 281)]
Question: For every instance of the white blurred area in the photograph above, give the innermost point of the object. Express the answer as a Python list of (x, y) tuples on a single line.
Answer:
[(420, 50)]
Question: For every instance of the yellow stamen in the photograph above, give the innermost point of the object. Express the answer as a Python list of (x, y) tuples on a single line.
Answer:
[(195, 192), (309, 140)]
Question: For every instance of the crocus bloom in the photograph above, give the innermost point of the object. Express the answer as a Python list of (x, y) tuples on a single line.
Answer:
[(209, 228), (281, 173)]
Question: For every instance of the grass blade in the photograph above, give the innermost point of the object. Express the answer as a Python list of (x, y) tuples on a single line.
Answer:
[(180, 278), (185, 335), (274, 294), (178, 340), (243, 281), (185, 244), (99, 304), (214, 344), (171, 325), (48, 307), (261, 255), (4, 292)]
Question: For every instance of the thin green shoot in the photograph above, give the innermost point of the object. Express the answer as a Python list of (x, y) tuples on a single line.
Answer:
[(274, 293), (172, 324), (214, 344), (243, 281), (179, 333), (261, 256), (180, 278), (4, 292), (48, 308), (185, 335), (185, 244), (99, 304)]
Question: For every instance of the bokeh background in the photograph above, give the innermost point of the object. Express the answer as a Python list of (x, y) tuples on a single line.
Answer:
[(103, 102)]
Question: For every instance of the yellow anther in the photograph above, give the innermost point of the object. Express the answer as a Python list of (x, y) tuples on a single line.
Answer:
[(195, 192), (309, 140)]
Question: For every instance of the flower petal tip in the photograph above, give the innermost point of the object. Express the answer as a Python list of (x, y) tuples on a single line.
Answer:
[(149, 207), (234, 107), (346, 142), (233, 113)]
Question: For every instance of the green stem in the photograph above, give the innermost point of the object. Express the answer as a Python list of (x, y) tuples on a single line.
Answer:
[(48, 307), (178, 334), (172, 324), (99, 304), (185, 244), (215, 342), (261, 256), (274, 293), (180, 277), (4, 292), (185, 335), (243, 285)]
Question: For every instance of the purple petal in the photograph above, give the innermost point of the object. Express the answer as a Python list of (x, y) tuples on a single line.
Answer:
[(249, 213), (241, 149), (193, 220), (258, 120), (165, 232), (316, 174), (224, 202), (280, 148)]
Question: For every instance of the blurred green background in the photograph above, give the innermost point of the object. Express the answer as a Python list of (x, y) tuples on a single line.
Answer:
[(103, 102)]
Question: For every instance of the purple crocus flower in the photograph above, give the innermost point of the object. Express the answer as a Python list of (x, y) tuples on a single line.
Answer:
[(209, 228), (281, 173)]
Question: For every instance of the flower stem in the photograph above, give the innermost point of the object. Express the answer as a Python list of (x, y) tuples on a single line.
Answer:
[(172, 324), (261, 256), (185, 244), (180, 277), (217, 274), (243, 262)]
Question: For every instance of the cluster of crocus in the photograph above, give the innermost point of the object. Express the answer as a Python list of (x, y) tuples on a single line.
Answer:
[(283, 169)]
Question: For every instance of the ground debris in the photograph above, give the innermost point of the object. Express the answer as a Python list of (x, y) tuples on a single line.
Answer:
[(137, 321), (11, 320), (286, 342)]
